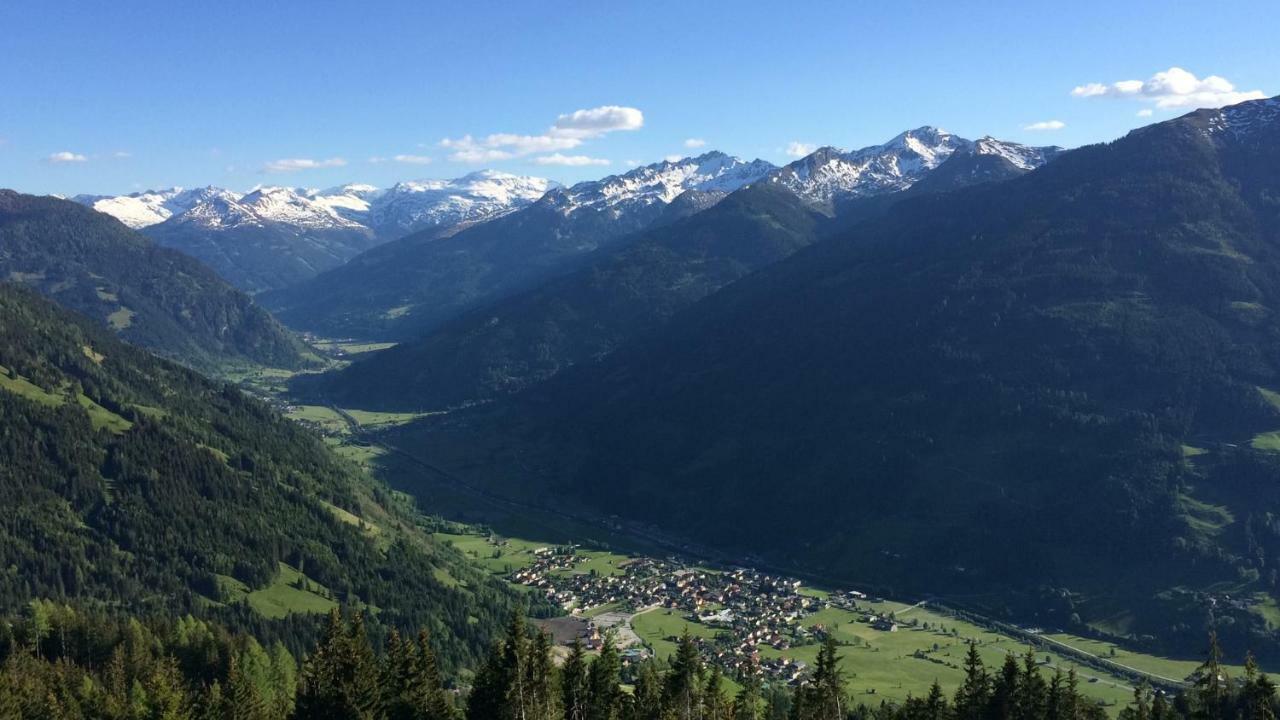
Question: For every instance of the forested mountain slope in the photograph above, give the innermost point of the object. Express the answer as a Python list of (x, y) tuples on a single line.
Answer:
[(622, 294), (984, 389), (151, 296), (132, 483)]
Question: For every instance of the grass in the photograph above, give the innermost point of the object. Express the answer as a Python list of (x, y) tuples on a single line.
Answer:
[(351, 347), (1206, 518), (323, 418), (1164, 667), (280, 597), (372, 419), (121, 318), (351, 519), (495, 554), (15, 383), (100, 417)]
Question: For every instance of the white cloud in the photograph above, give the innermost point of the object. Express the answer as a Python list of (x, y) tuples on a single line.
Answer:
[(121, 154), (66, 156), (800, 149), (412, 159), (295, 164), (1173, 88), (631, 163), (1046, 125), (570, 160), (1146, 112), (673, 158), (568, 132), (694, 143), (600, 120)]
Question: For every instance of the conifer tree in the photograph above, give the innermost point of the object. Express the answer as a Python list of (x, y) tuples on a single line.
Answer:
[(974, 694), (746, 706), (574, 695), (681, 695), (604, 681)]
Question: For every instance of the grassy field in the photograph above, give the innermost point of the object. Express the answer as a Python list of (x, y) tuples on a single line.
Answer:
[(496, 554), (373, 420), (100, 417), (280, 597), (1164, 667), (318, 416), (350, 347)]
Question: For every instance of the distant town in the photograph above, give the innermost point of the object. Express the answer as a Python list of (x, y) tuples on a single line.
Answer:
[(747, 608)]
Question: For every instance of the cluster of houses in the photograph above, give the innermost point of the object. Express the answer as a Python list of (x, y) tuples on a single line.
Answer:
[(749, 609)]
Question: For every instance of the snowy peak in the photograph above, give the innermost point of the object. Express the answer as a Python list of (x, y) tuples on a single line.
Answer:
[(660, 183), (416, 205), (404, 208), (291, 207), (140, 209), (1023, 157), (830, 174), (1242, 120)]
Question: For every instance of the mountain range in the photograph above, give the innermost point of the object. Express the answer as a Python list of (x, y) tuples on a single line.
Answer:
[(152, 296), (1054, 392), (410, 285), (624, 292), (271, 237)]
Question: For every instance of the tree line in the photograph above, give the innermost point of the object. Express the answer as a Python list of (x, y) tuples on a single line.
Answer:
[(60, 663)]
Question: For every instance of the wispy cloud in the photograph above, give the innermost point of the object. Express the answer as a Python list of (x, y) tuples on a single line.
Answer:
[(295, 164), (694, 143), (1172, 88), (412, 159), (65, 157), (121, 154), (1045, 125), (568, 132), (1146, 112), (798, 149), (569, 160)]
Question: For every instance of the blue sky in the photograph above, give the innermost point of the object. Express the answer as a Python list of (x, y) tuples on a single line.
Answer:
[(116, 97)]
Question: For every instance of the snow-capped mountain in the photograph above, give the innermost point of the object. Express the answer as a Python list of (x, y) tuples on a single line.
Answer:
[(1242, 120), (140, 209), (1022, 157), (829, 173), (661, 182), (417, 205), (351, 201), (404, 208)]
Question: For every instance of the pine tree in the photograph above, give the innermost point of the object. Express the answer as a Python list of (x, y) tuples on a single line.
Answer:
[(746, 706), (604, 681), (974, 694), (1029, 699), (714, 704), (1258, 693), (828, 684), (428, 696), (1004, 691), (647, 700), (681, 695), (1211, 686), (541, 679), (935, 704), (242, 700), (574, 693)]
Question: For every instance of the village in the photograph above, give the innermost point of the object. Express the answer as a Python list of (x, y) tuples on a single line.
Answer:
[(747, 610)]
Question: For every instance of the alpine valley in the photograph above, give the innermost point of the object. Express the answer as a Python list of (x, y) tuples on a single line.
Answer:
[(934, 429)]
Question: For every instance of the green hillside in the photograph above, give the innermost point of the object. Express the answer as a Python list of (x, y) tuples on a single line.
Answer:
[(132, 483), (151, 296)]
